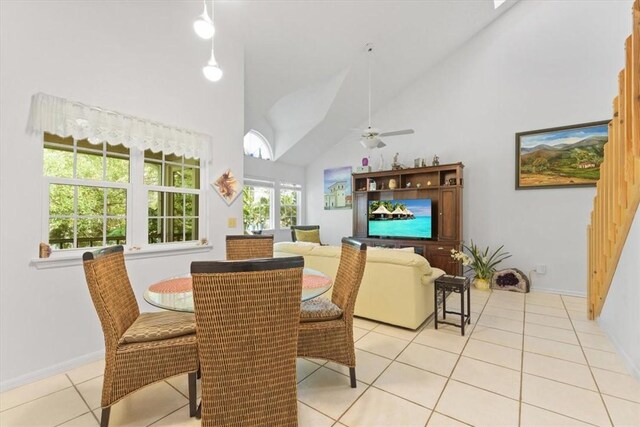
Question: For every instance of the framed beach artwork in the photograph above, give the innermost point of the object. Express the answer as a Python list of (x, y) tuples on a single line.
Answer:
[(337, 188), (568, 156)]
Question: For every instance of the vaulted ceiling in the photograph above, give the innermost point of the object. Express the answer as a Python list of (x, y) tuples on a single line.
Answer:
[(306, 66)]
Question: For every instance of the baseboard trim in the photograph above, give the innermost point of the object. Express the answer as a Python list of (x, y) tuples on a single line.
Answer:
[(628, 361), (561, 292), (51, 370)]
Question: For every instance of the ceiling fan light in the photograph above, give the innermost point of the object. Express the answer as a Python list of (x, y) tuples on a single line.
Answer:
[(203, 26)]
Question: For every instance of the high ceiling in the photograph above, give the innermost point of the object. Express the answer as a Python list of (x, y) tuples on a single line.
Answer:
[(306, 66)]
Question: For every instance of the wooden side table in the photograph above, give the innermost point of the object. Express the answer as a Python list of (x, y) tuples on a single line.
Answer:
[(459, 285)]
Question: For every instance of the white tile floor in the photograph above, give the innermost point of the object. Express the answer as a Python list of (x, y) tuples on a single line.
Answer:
[(529, 360)]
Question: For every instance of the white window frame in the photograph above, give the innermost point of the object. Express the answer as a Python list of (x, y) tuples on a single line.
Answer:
[(137, 214), (167, 189), (287, 186), (269, 185), (263, 140)]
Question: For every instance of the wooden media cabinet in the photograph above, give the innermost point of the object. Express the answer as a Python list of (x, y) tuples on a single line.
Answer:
[(442, 184)]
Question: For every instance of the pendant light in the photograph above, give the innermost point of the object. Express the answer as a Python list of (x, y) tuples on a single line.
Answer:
[(212, 71), (203, 25)]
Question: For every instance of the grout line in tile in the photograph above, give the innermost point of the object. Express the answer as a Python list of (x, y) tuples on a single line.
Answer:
[(83, 399), (589, 367), (81, 415), (551, 339), (319, 411), (170, 413), (559, 413), (175, 388), (37, 398), (524, 325), (435, 405)]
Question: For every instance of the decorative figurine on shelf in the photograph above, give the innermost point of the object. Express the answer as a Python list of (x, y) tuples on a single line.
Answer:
[(436, 161), (428, 182), (424, 163), (395, 165), (408, 185), (365, 161), (418, 185), (392, 184)]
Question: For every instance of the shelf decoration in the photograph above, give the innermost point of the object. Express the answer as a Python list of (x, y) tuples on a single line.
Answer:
[(227, 187), (337, 188)]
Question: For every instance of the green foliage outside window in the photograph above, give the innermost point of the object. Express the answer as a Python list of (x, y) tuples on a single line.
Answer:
[(256, 207)]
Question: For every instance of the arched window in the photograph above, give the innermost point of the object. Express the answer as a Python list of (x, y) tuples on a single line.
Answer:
[(256, 145)]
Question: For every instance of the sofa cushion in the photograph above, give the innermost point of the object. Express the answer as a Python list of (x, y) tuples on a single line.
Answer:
[(159, 326), (312, 236), (319, 309)]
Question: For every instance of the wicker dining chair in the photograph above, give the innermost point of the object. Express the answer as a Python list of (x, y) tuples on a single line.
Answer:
[(247, 316), (249, 246), (140, 349), (326, 327)]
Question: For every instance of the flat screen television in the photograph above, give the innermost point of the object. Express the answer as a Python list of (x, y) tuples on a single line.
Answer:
[(400, 218)]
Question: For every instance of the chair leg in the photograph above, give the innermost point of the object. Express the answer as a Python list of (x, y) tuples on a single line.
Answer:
[(352, 375), (193, 394), (104, 418)]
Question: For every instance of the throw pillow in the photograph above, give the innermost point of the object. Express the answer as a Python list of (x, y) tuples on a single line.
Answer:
[(312, 236)]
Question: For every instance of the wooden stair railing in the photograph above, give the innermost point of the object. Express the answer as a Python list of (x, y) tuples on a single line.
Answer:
[(618, 190)]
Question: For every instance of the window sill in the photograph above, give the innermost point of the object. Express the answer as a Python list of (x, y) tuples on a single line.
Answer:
[(68, 260)]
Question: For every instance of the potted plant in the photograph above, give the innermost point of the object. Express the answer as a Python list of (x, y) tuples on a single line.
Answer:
[(482, 264)]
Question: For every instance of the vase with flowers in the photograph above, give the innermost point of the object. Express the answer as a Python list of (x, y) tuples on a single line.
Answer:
[(481, 262)]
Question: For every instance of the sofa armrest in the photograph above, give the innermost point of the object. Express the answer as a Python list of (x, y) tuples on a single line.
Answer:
[(430, 278)]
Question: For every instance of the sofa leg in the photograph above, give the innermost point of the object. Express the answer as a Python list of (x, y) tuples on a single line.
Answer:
[(352, 375)]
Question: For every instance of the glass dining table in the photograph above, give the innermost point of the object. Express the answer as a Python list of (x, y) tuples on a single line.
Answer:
[(176, 293)]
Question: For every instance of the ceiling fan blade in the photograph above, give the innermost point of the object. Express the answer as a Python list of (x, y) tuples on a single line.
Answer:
[(398, 132)]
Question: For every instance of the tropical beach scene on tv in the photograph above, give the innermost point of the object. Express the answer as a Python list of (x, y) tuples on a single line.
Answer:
[(400, 218)]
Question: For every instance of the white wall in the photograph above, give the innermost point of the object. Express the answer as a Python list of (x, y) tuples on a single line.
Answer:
[(620, 316), (139, 58), (542, 64), (276, 172)]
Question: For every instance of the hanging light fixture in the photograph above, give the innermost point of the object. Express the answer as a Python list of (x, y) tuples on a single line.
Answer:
[(212, 71), (203, 25)]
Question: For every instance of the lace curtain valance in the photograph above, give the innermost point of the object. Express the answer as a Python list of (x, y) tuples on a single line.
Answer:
[(65, 118)]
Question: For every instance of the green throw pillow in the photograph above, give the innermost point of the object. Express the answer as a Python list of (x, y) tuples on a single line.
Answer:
[(312, 236)]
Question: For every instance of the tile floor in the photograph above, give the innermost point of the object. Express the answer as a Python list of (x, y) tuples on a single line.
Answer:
[(528, 360)]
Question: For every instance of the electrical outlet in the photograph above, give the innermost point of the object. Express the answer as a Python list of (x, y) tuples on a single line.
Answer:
[(541, 269)]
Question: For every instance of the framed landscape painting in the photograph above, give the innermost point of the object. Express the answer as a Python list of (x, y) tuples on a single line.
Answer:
[(337, 188), (568, 156)]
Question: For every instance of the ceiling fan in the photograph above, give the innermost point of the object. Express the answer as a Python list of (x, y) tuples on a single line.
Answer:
[(371, 137)]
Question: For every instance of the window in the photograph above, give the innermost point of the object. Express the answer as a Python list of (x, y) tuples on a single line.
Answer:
[(100, 195), (172, 183), (256, 145), (290, 195), (87, 193), (257, 205)]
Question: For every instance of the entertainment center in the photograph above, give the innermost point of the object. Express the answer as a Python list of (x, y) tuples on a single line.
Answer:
[(433, 192)]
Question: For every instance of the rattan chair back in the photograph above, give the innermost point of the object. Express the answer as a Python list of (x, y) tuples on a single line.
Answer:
[(350, 270), (247, 317), (111, 292), (131, 366), (249, 246)]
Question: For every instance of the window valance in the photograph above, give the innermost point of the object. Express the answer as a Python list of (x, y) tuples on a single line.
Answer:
[(65, 118)]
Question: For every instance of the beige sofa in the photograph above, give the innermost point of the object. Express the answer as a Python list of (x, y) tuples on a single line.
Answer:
[(397, 286)]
